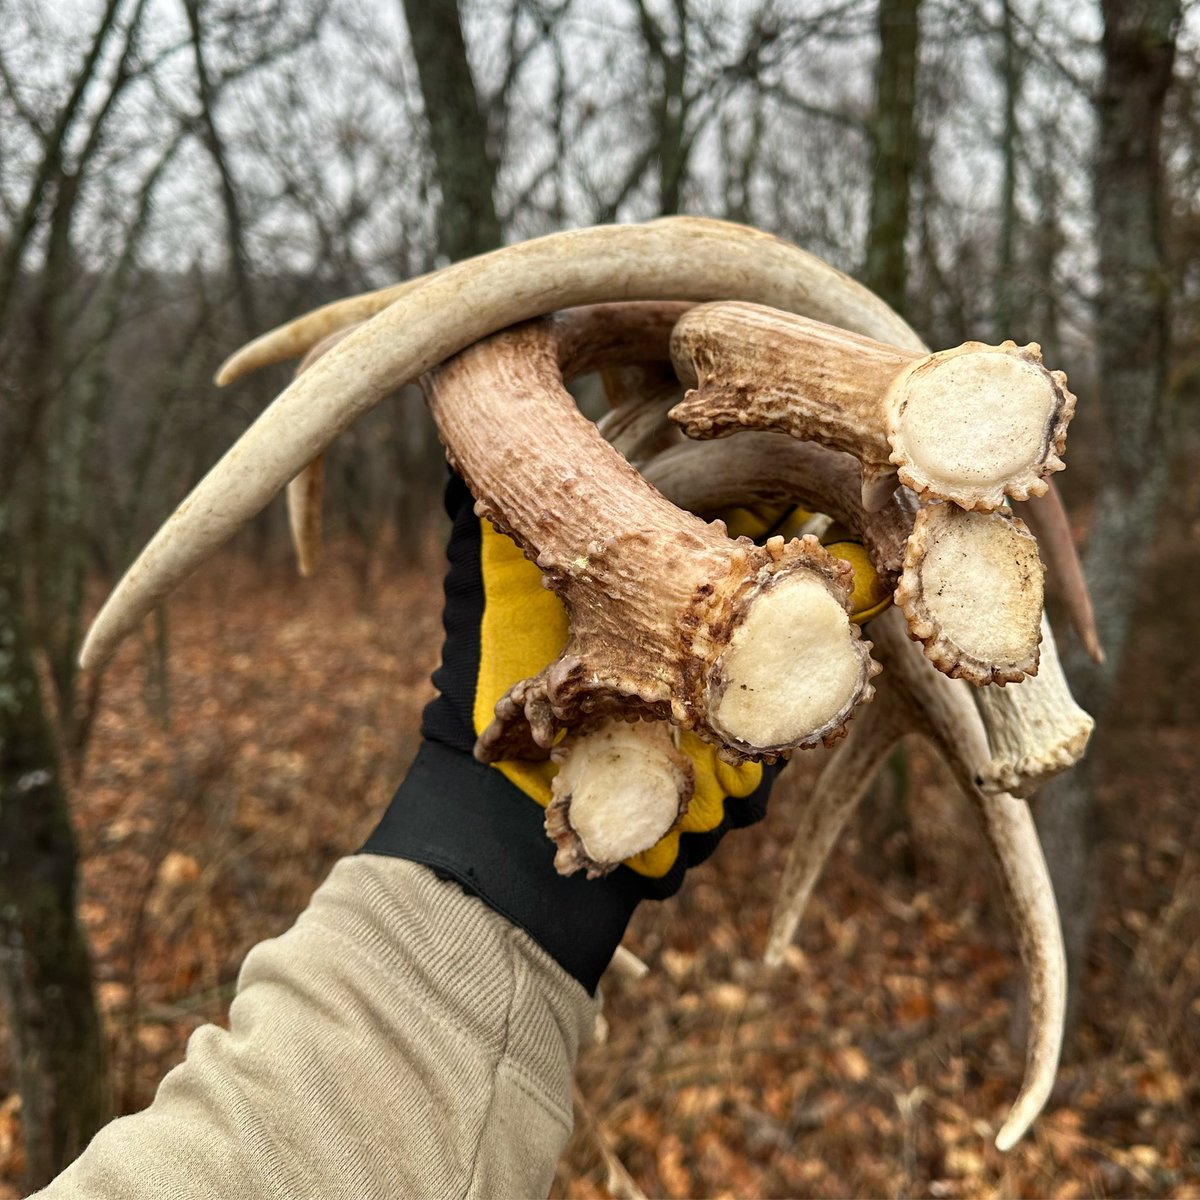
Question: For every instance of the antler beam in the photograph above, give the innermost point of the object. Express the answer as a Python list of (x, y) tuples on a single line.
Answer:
[(971, 425), (428, 321)]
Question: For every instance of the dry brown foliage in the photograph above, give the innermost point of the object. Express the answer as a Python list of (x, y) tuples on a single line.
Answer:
[(877, 1063)]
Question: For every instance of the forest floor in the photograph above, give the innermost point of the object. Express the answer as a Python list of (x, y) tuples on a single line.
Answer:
[(878, 1062)]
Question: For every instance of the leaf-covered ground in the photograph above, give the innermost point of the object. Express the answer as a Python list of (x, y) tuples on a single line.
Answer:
[(878, 1062)]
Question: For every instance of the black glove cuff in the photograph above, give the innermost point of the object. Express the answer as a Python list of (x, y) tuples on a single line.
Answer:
[(469, 823)]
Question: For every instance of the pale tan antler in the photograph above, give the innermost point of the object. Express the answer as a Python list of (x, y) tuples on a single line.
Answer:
[(814, 288), (685, 258), (915, 698), (1048, 519), (1035, 728), (970, 425), (640, 397), (305, 490)]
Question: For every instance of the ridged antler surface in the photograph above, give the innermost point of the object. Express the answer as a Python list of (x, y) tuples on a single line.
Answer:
[(750, 646)]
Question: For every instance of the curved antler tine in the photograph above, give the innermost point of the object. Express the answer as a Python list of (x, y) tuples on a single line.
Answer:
[(685, 258), (1025, 878), (1048, 519), (770, 468), (305, 491), (640, 429), (304, 496), (820, 290), (942, 710), (852, 765), (304, 333)]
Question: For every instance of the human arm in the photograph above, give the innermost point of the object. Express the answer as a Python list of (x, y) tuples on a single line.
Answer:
[(400, 1039)]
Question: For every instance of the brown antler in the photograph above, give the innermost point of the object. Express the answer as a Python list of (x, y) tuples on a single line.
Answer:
[(971, 425), (749, 646)]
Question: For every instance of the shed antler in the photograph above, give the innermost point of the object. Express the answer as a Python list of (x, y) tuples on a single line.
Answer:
[(431, 319), (674, 625), (1035, 728), (915, 698), (750, 646), (305, 490), (972, 425)]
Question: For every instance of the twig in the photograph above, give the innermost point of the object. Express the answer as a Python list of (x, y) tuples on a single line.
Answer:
[(618, 1181)]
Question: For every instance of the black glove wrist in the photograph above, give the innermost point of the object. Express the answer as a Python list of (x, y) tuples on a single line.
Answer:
[(470, 824)]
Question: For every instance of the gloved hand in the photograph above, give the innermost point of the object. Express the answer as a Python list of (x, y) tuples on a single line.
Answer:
[(474, 823)]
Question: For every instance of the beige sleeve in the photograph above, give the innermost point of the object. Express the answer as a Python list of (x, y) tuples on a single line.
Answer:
[(401, 1039)]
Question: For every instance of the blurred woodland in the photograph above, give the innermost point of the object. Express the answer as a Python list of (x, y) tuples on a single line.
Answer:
[(177, 176)]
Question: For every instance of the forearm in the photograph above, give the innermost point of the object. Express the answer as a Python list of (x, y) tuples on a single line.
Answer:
[(400, 1039)]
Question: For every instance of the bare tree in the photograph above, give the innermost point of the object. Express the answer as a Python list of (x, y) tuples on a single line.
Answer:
[(466, 174), (1132, 335), (894, 136), (45, 973)]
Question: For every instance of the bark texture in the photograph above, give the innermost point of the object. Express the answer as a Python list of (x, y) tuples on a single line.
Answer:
[(895, 137), (45, 974), (1132, 334), (467, 221)]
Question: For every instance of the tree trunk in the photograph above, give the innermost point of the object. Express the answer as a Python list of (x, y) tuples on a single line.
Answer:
[(235, 231), (1006, 307), (895, 138), (467, 221), (894, 134), (45, 976), (1132, 331)]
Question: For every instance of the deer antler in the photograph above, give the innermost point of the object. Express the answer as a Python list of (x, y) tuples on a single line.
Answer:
[(915, 698), (1035, 728), (756, 264), (431, 319), (1048, 520), (304, 492), (749, 646), (971, 425)]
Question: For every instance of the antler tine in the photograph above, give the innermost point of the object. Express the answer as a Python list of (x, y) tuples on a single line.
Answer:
[(686, 258), (942, 710), (818, 289), (843, 781), (1048, 519), (1035, 728), (305, 491)]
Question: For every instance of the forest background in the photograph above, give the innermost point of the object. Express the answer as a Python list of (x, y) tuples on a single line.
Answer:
[(178, 175)]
